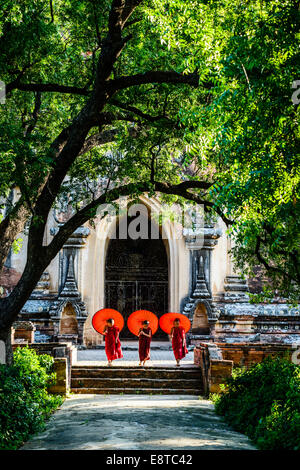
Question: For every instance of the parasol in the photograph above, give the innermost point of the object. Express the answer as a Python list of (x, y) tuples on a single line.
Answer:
[(166, 321), (99, 319), (135, 321)]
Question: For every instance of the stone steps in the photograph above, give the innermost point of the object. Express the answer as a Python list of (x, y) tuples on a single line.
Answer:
[(136, 391), (134, 373), (132, 383), (133, 380)]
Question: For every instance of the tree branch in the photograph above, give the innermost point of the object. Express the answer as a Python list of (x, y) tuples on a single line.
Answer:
[(137, 111), (266, 265), (35, 113), (102, 138), (51, 12), (156, 77), (46, 87), (86, 213)]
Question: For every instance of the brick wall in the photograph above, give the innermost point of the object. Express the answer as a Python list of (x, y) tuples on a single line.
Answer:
[(215, 369), (217, 359), (247, 354), (220, 371)]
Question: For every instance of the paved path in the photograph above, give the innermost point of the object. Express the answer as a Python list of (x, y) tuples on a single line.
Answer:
[(136, 422)]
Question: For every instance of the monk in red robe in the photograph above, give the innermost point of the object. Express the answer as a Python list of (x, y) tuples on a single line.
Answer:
[(145, 336), (178, 341), (112, 342)]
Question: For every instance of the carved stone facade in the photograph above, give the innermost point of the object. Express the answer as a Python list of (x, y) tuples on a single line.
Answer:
[(68, 312), (191, 274)]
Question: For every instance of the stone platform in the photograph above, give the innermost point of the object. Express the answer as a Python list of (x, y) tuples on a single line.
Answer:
[(161, 355)]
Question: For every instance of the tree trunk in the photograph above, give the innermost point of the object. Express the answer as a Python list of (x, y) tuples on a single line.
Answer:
[(5, 336)]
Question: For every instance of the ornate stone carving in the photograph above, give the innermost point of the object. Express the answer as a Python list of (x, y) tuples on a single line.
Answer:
[(77, 239), (206, 238), (68, 296), (236, 289), (42, 287), (201, 290), (200, 298)]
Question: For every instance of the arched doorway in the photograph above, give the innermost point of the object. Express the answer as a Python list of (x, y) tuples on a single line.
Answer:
[(136, 277)]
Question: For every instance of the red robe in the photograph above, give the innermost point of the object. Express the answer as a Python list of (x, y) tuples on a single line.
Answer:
[(144, 345), (112, 343), (180, 350)]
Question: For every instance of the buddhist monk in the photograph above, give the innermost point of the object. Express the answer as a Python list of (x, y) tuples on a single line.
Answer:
[(178, 341), (145, 336), (112, 342)]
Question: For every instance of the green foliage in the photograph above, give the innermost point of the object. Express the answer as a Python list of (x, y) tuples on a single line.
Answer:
[(24, 401), (263, 402), (255, 138), (238, 129)]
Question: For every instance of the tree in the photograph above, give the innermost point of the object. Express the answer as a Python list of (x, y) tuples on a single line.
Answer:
[(244, 134), (256, 142), (104, 51)]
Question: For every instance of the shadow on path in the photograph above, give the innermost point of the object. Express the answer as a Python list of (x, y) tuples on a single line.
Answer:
[(137, 422)]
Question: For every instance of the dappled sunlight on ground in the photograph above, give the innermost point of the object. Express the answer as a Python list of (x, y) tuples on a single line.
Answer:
[(137, 422)]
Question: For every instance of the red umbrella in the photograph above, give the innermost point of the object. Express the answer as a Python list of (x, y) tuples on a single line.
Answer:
[(135, 321), (166, 321), (100, 317)]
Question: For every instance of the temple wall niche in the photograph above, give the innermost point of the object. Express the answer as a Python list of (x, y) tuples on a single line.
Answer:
[(68, 322), (200, 320)]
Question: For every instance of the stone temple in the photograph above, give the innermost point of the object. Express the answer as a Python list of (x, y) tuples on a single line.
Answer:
[(191, 273)]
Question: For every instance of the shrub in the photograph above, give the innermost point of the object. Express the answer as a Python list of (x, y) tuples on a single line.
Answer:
[(264, 403), (24, 401)]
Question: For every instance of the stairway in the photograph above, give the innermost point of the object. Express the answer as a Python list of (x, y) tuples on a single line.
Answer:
[(136, 380)]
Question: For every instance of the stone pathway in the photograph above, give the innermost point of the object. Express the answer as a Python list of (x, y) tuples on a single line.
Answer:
[(137, 422)]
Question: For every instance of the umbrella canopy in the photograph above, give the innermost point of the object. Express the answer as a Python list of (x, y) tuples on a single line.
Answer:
[(166, 321), (100, 318), (135, 321)]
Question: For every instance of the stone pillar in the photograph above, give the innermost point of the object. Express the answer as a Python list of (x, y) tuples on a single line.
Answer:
[(72, 247), (69, 297), (200, 247)]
